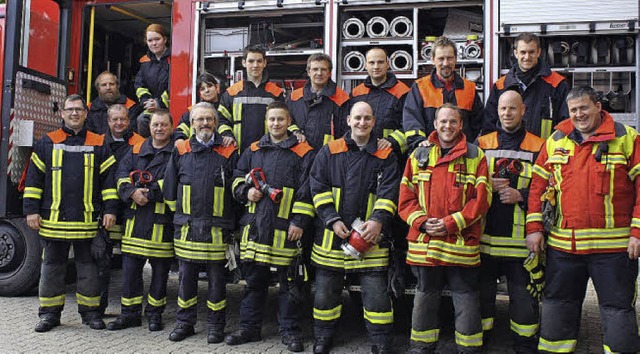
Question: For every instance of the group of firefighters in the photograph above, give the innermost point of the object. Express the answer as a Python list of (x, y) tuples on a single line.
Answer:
[(477, 192)]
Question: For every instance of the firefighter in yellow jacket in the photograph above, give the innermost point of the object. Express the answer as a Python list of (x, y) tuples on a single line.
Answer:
[(444, 194)]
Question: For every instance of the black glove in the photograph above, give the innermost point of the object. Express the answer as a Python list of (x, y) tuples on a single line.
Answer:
[(396, 284), (101, 248)]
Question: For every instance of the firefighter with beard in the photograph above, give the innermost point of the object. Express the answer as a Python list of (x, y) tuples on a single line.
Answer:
[(197, 186), (352, 179), (511, 152), (108, 88), (272, 229), (148, 228), (444, 194)]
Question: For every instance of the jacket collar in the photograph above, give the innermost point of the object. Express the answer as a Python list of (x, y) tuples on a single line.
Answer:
[(391, 81), (288, 143), (458, 81), (196, 146), (328, 91), (82, 132), (371, 147), (147, 147), (152, 56), (98, 105), (458, 150), (512, 78)]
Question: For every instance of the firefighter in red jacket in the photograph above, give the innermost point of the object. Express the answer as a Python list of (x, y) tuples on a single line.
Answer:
[(272, 229), (243, 105), (69, 184), (444, 85), (444, 194), (319, 109), (543, 91), (510, 152), (351, 178), (148, 226), (197, 186), (592, 163)]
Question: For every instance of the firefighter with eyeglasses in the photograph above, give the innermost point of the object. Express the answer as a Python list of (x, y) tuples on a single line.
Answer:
[(197, 186), (510, 152), (272, 180)]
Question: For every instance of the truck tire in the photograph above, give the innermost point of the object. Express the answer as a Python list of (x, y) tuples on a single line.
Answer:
[(20, 257)]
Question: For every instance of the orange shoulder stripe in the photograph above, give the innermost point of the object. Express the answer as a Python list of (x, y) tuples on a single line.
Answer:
[(340, 97), (94, 139), (236, 88), (466, 96), (338, 146), (500, 82), (532, 142), (184, 146), (360, 90), (431, 97), (383, 154), (398, 90), (554, 79), (57, 136), (488, 141), (273, 89), (225, 151), (136, 148), (301, 149), (145, 59), (297, 94), (254, 146), (135, 139), (129, 103)]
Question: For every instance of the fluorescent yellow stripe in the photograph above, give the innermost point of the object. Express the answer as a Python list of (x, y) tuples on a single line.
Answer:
[(524, 330), (171, 204), (487, 324), (89, 301), (545, 128), (185, 304), (321, 199), (472, 340), (186, 199), (224, 111), (386, 204), (327, 139), (371, 201), (131, 301), (327, 315), (156, 302), (220, 305), (236, 182), (52, 301), (380, 318), (561, 346), (285, 203), (122, 181), (141, 91), (428, 336), (107, 163), (37, 162), (165, 98), (237, 126), (56, 183), (88, 187), (218, 201), (33, 192), (303, 208)]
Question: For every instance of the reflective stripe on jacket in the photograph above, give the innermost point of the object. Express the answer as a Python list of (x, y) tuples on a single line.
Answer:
[(148, 230), (197, 186), (265, 224), (598, 206), (349, 183), (70, 181), (454, 188), (504, 227), (152, 80)]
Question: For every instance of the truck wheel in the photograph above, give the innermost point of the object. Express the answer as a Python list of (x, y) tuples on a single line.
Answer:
[(20, 257)]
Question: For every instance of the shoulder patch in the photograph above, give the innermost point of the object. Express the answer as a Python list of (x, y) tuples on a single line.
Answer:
[(184, 146), (621, 129), (235, 88), (57, 136), (135, 139), (472, 151), (383, 153), (145, 59), (398, 90), (488, 141), (338, 146), (225, 151), (273, 89), (136, 148), (554, 79), (531, 142), (340, 97), (254, 146), (558, 134), (297, 94), (360, 90), (129, 103), (500, 82), (94, 139), (301, 149)]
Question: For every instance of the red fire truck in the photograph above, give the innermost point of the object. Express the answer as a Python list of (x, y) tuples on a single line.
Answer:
[(52, 48)]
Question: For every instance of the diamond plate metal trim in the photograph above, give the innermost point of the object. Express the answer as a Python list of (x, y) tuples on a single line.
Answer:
[(38, 107)]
